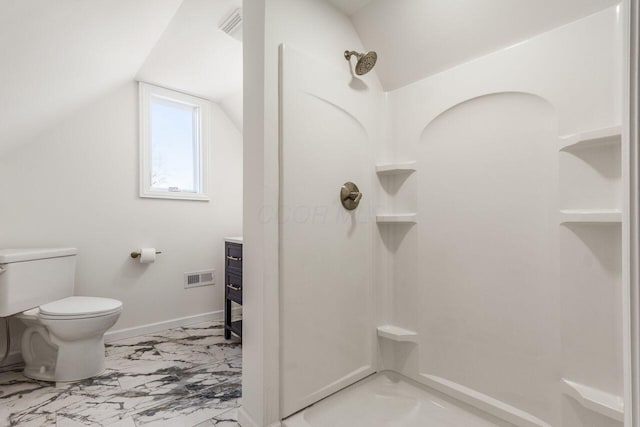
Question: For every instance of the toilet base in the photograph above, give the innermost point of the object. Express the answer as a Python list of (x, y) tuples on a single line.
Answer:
[(64, 350), (80, 359), (49, 359), (42, 373), (48, 375)]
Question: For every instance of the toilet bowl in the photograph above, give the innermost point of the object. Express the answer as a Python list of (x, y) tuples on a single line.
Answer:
[(64, 339)]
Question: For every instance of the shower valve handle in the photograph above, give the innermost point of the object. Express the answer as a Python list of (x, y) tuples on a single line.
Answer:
[(350, 196)]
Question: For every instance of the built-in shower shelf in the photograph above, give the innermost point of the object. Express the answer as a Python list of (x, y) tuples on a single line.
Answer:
[(591, 215), (410, 218), (396, 333), (395, 168), (594, 137), (599, 401)]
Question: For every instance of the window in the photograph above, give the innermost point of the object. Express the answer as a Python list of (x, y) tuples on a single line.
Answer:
[(174, 144)]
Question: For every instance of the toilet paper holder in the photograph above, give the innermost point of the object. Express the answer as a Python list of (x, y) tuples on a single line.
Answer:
[(137, 254)]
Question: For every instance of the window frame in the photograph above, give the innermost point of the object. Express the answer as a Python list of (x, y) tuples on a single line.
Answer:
[(147, 92)]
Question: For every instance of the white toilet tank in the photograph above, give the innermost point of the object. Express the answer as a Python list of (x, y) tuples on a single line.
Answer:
[(32, 277)]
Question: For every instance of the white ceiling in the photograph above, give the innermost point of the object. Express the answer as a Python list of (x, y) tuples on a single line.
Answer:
[(348, 7), (59, 55), (194, 55), (418, 38)]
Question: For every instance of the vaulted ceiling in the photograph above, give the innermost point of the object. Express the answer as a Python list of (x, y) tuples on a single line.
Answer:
[(418, 38), (194, 55), (58, 56)]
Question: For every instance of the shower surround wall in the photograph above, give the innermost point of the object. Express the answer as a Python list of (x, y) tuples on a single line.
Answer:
[(317, 28), (505, 301)]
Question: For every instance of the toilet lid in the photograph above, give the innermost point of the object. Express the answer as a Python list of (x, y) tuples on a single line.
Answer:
[(80, 306)]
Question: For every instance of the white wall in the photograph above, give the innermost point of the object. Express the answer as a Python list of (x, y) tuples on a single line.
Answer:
[(232, 106), (308, 25), (77, 185)]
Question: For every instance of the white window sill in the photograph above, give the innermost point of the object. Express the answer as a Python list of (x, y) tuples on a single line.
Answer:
[(175, 196)]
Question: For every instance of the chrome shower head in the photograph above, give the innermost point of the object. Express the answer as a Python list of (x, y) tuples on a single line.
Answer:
[(366, 61)]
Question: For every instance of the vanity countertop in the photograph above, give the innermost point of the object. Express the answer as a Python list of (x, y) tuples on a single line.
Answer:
[(233, 239)]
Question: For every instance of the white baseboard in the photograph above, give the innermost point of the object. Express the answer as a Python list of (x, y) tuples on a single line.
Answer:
[(151, 328)]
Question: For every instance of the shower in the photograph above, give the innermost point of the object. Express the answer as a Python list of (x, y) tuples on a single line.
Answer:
[(366, 61)]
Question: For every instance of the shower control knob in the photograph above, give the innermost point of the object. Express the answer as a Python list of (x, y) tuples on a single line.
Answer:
[(350, 196)]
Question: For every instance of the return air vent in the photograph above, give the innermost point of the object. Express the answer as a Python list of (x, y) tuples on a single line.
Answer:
[(232, 24), (199, 278)]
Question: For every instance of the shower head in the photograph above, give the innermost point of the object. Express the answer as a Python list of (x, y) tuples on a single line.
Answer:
[(365, 63)]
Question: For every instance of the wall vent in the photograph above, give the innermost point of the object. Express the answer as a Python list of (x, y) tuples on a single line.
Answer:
[(194, 279), (232, 24)]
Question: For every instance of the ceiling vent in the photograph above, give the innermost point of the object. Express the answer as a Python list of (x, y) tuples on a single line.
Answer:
[(232, 24)]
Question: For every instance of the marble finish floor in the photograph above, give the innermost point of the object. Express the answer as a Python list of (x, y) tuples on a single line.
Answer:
[(181, 377)]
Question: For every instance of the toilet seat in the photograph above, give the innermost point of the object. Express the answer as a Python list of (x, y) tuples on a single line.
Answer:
[(77, 308)]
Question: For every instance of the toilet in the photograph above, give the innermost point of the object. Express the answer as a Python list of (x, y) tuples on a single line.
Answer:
[(64, 336)]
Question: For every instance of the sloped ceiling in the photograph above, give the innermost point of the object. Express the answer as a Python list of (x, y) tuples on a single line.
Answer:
[(194, 55), (418, 38), (349, 7), (56, 56)]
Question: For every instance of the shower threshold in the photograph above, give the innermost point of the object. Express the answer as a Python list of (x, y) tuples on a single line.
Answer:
[(388, 399)]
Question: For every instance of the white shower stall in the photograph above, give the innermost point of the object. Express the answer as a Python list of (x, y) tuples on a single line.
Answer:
[(481, 277)]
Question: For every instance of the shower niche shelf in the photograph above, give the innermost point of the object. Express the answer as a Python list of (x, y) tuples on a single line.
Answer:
[(395, 168), (595, 137), (590, 216), (599, 401), (396, 333), (408, 218)]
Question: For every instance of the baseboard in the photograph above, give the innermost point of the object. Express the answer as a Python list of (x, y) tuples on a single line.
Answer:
[(151, 328), (245, 420)]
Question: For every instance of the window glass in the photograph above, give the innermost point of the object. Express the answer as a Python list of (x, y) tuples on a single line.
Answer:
[(174, 146)]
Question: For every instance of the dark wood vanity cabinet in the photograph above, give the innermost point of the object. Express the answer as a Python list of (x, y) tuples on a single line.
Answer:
[(233, 287)]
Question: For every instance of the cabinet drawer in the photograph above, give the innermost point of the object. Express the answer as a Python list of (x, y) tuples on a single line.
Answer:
[(233, 256), (233, 286)]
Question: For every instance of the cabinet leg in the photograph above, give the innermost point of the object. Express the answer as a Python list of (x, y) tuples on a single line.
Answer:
[(227, 319)]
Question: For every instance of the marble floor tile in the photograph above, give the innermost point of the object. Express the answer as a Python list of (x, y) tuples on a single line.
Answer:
[(206, 329), (202, 377), (193, 409), (226, 419), (13, 385), (185, 375)]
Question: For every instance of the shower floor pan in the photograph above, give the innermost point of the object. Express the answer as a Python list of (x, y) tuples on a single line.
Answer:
[(388, 399)]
